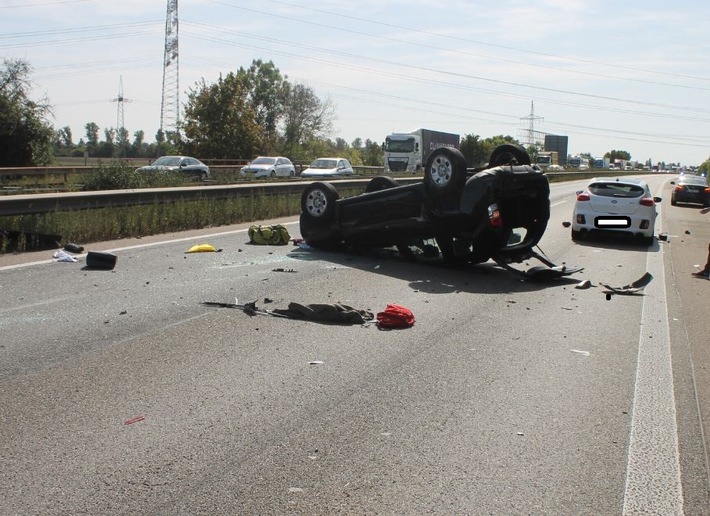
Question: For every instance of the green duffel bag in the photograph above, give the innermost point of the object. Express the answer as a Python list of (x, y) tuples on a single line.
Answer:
[(276, 234)]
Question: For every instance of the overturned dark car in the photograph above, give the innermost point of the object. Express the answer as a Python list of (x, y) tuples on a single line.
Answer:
[(499, 212)]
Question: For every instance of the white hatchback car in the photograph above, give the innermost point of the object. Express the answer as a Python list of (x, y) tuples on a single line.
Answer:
[(615, 205), (266, 166)]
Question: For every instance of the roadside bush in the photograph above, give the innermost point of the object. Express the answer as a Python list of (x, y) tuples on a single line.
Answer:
[(120, 176)]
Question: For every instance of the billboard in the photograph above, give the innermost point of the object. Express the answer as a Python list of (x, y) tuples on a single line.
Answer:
[(557, 144)]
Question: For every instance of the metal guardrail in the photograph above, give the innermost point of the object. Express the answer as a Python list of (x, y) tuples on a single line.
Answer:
[(21, 204)]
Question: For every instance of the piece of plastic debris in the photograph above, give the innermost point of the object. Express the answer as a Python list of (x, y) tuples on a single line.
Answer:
[(74, 248), (584, 353), (101, 260), (583, 285), (133, 420), (663, 237), (203, 248), (315, 362), (61, 256), (633, 288)]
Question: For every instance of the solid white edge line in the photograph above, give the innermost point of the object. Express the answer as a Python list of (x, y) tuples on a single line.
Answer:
[(142, 246), (653, 482)]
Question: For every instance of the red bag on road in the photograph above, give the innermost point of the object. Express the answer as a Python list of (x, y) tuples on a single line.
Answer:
[(395, 316)]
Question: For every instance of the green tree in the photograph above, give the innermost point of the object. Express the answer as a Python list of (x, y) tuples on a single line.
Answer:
[(265, 91), (25, 134), (219, 121), (471, 147), (617, 154), (306, 118), (372, 154)]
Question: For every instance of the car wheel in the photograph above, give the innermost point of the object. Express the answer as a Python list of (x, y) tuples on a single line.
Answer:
[(380, 183), (576, 235), (508, 154), (647, 241), (273, 173), (673, 202), (317, 212), (318, 201), (203, 176), (291, 173), (445, 170)]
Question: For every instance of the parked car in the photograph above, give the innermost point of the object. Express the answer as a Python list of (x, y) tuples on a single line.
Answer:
[(615, 205), (183, 164), (691, 189), (499, 212), (268, 166), (329, 167)]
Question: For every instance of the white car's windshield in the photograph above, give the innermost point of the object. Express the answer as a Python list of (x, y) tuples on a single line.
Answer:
[(263, 161), (324, 163), (167, 161)]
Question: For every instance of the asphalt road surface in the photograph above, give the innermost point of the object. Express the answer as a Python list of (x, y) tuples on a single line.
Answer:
[(120, 392)]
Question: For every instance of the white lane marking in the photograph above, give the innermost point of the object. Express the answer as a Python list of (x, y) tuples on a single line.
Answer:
[(557, 203), (142, 246), (653, 482)]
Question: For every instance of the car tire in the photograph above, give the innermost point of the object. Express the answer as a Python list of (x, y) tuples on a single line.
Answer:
[(380, 183), (673, 202), (272, 173), (318, 201), (317, 213), (647, 241), (576, 235), (445, 171), (507, 153)]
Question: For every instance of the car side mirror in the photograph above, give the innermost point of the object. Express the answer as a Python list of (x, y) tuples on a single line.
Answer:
[(657, 199), (672, 182), (578, 192)]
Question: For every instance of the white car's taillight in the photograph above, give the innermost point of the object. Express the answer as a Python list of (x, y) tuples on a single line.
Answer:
[(583, 197), (647, 201)]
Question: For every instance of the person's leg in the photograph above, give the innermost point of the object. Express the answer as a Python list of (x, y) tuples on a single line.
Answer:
[(705, 273)]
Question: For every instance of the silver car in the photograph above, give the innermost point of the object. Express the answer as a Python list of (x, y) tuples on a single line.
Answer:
[(268, 166), (184, 164), (329, 167)]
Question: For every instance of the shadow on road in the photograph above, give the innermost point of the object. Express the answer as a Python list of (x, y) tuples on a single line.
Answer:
[(432, 276)]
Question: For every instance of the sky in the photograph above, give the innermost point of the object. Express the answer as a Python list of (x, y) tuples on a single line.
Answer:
[(610, 75)]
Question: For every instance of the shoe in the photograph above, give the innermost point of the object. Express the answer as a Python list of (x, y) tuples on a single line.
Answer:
[(701, 274)]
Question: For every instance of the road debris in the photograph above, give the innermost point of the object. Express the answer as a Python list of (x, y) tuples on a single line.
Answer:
[(61, 256), (74, 248), (101, 260), (203, 248), (583, 285), (133, 420), (583, 353), (566, 223), (325, 313), (275, 234), (395, 317), (632, 289)]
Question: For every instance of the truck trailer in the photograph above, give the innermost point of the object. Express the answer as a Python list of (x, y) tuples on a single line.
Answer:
[(408, 152)]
